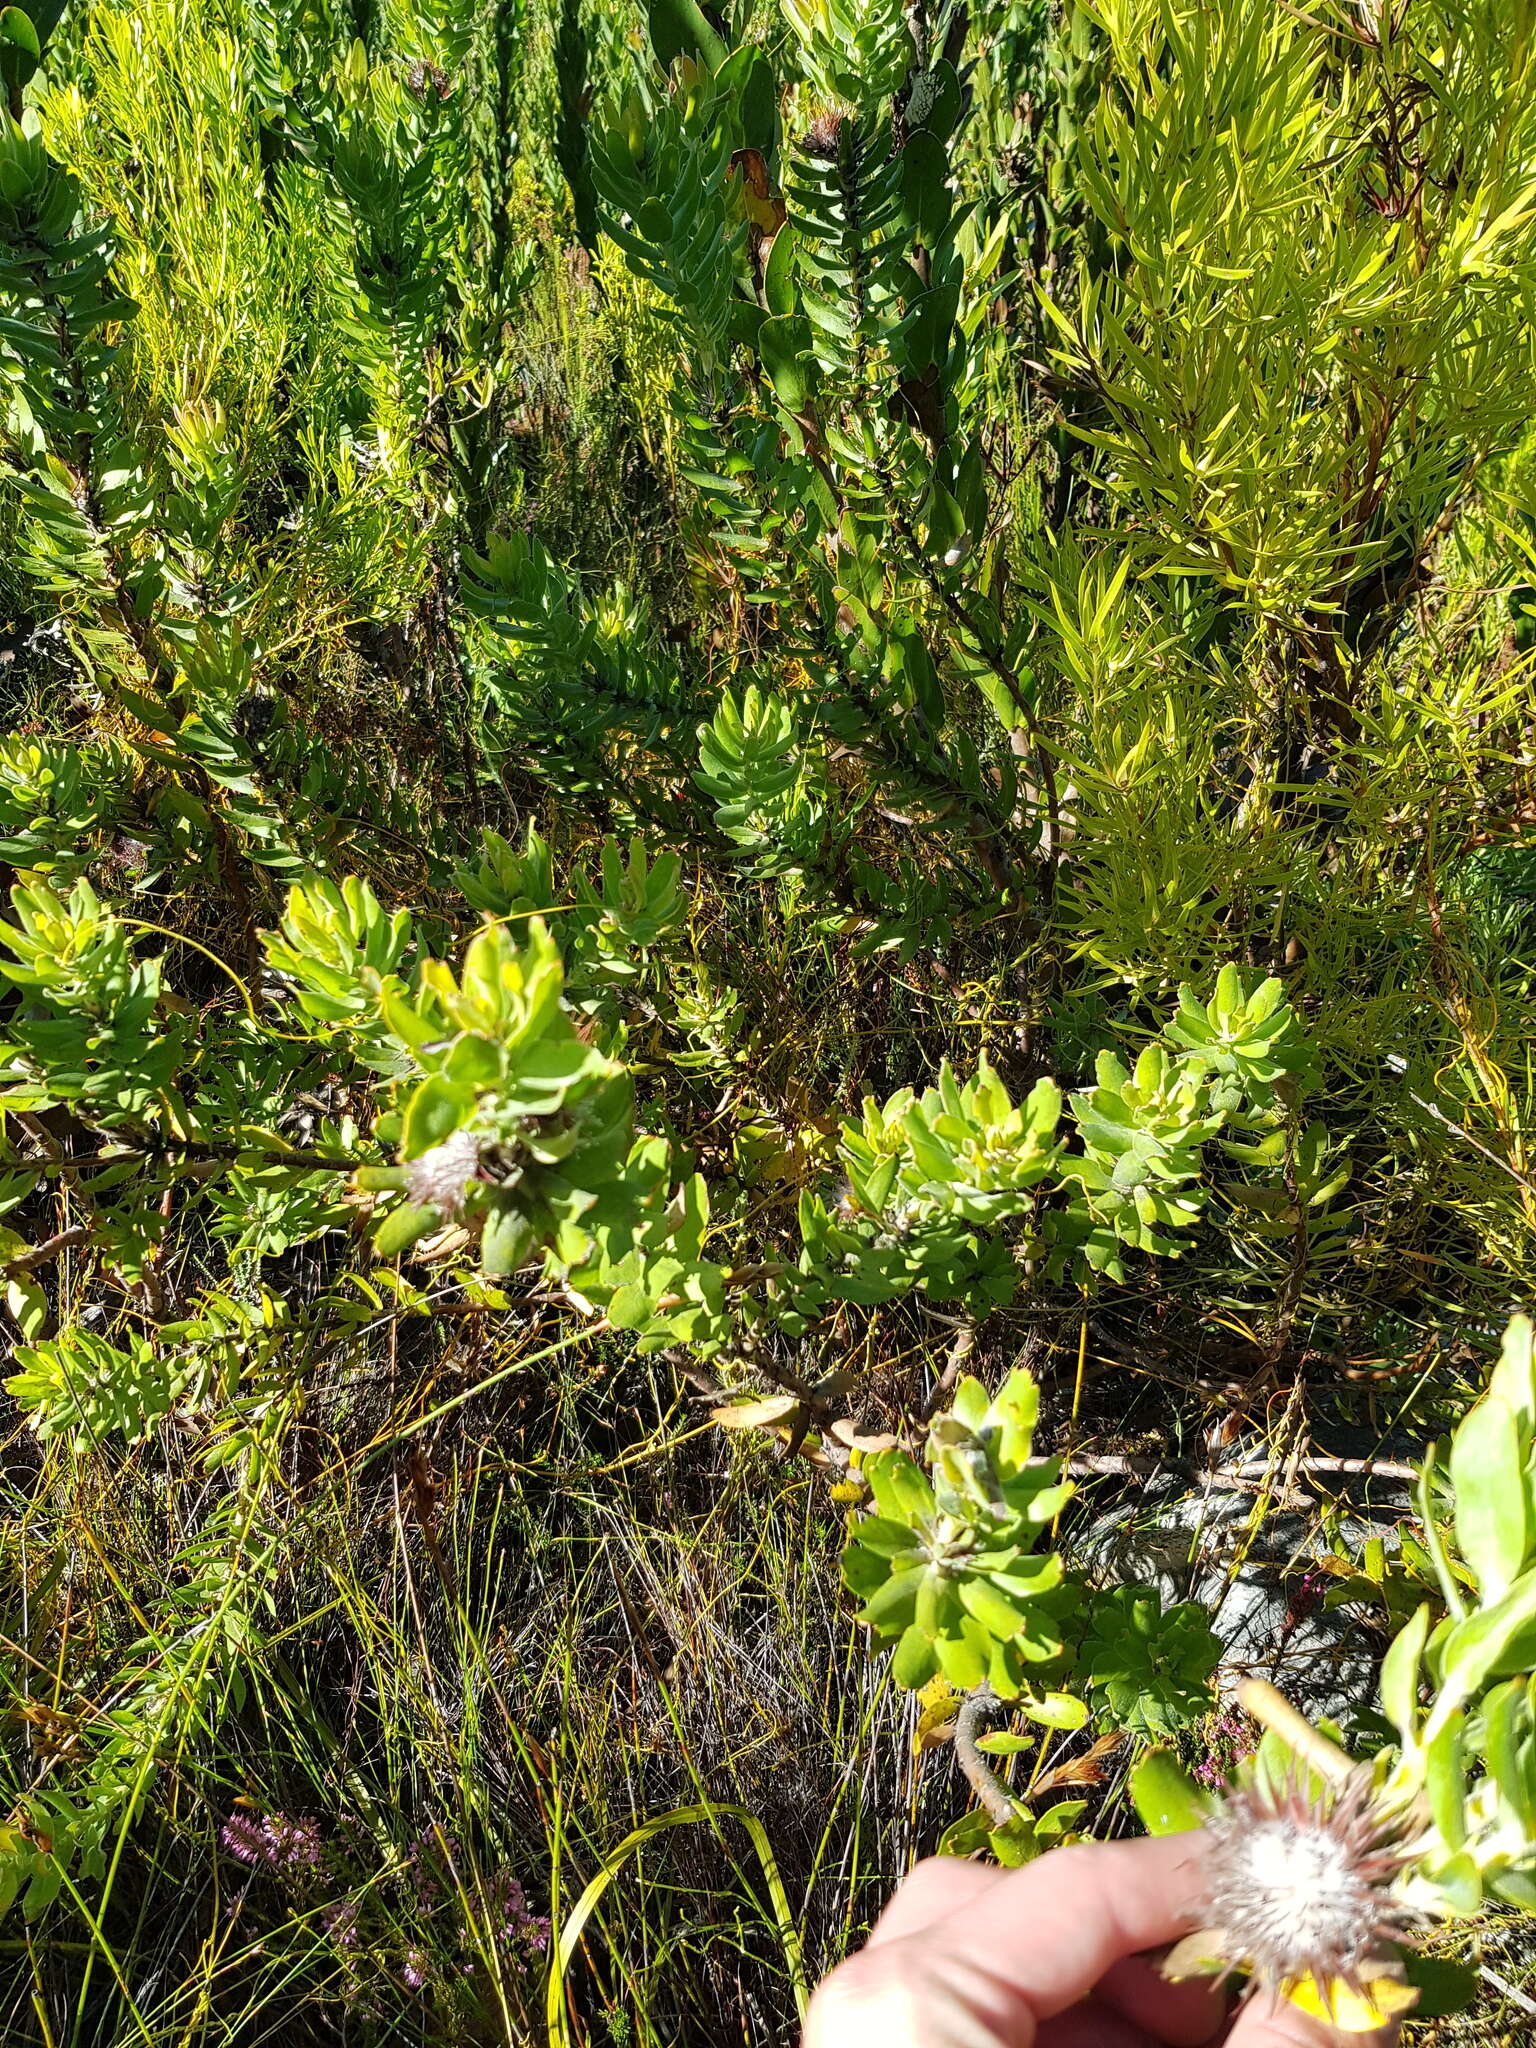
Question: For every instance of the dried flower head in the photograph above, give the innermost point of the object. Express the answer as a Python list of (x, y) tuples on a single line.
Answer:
[(1298, 1887), (822, 136), (440, 1177)]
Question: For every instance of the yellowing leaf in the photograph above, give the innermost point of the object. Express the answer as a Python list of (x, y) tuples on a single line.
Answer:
[(762, 205), (1384, 2000), (940, 1704), (755, 1414)]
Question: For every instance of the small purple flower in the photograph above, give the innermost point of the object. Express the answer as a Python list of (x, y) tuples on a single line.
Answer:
[(243, 1838), (291, 1841), (536, 1931), (275, 1841), (414, 1969), (340, 1922), (425, 1858)]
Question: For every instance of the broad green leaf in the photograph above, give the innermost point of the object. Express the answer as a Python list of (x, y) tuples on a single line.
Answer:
[(784, 347), (1445, 1781), (401, 1228), (1054, 1709), (434, 1113), (914, 1662), (1400, 1674), (1492, 1643), (507, 1241), (1504, 1723), (1444, 1986), (1514, 1377), (891, 1607), (991, 1608), (28, 1305), (1166, 1798), (1493, 1495), (778, 273)]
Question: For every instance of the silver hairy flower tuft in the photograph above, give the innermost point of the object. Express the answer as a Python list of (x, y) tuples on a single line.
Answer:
[(439, 1178), (1298, 1887)]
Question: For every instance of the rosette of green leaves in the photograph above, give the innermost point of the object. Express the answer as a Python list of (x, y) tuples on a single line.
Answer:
[(86, 1032), (1250, 1041), (923, 1172), (507, 883), (52, 796), (854, 51), (960, 1149), (1142, 1130), (1468, 1755), (849, 1257), (523, 1118), (637, 1254), (617, 919), (946, 1565), (1147, 1666), (340, 948)]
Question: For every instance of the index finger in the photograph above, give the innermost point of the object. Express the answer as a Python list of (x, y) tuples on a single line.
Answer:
[(1049, 1932)]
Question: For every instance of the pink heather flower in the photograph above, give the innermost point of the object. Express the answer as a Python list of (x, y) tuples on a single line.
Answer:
[(536, 1931), (414, 1969), (243, 1838), (291, 1841), (340, 1923), (275, 1841)]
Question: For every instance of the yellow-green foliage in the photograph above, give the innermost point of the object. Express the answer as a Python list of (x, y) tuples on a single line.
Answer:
[(720, 704)]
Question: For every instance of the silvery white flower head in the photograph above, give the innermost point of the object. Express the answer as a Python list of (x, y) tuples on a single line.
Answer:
[(1299, 1886), (440, 1177)]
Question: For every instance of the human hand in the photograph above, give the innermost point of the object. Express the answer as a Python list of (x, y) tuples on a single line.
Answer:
[(1050, 1956)]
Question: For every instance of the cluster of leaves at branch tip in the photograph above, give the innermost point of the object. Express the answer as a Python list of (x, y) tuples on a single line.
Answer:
[(947, 1566), (1467, 1754)]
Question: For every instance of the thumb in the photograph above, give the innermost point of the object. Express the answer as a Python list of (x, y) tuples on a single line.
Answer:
[(1270, 2022)]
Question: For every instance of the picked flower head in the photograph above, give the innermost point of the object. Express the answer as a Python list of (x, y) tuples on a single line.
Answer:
[(1299, 1888)]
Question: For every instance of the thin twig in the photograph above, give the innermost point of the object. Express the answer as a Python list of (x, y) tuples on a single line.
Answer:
[(1507, 1989), (1148, 1465), (196, 1151), (40, 1254), (959, 1352)]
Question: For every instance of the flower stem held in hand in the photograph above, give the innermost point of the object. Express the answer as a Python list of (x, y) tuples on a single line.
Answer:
[(1058, 1955)]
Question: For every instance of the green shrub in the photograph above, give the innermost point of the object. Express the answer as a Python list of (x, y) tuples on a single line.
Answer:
[(696, 693)]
